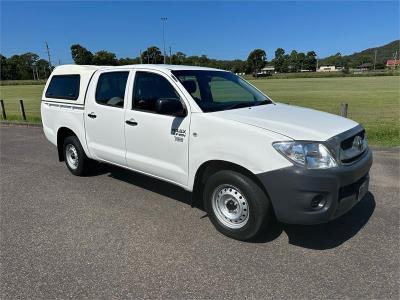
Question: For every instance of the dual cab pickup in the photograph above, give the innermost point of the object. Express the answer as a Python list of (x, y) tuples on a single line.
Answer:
[(245, 157)]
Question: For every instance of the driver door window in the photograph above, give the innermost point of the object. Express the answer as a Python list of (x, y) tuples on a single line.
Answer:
[(148, 88)]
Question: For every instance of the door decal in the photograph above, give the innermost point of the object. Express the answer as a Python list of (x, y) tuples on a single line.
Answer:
[(179, 134)]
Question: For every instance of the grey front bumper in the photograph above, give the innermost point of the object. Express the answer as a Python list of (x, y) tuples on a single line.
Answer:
[(293, 189)]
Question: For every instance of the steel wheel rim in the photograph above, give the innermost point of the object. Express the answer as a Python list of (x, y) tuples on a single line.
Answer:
[(72, 156), (230, 206)]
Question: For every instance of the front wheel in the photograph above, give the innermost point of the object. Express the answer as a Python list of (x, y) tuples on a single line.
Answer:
[(236, 205)]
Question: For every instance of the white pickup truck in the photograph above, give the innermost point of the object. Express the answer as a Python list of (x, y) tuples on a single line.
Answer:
[(245, 157)]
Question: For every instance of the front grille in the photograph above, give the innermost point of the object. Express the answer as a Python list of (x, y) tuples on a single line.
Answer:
[(350, 150), (348, 143), (345, 148)]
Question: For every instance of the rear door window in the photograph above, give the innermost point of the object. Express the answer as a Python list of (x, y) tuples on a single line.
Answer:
[(111, 88), (64, 87)]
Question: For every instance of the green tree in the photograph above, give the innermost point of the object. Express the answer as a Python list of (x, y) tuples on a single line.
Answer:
[(24, 66), (204, 61), (310, 62), (152, 55), (362, 59), (256, 60), (334, 60), (178, 58), (14, 67), (281, 61), (21, 67), (128, 61), (193, 60), (104, 58), (301, 57), (81, 55), (4, 68), (293, 61), (238, 66), (43, 68), (27, 65)]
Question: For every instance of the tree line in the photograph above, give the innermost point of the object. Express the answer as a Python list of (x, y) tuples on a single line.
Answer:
[(152, 55), (348, 62), (25, 66), (31, 66), (256, 60)]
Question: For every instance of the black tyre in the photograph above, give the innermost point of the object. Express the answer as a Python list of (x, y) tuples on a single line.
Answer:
[(236, 205), (75, 157)]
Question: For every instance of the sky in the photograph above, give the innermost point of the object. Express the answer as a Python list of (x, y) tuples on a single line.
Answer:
[(218, 29)]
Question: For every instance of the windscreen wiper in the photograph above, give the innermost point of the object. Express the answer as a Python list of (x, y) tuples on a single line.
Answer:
[(248, 104), (238, 105), (263, 102)]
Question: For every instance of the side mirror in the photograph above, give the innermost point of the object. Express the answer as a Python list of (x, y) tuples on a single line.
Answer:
[(170, 106)]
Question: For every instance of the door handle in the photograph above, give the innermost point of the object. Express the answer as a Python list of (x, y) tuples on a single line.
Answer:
[(92, 115), (131, 122)]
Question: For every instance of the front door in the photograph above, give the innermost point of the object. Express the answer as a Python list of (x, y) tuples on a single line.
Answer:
[(156, 144), (104, 117)]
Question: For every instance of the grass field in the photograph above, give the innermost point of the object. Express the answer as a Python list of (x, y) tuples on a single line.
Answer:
[(373, 101)]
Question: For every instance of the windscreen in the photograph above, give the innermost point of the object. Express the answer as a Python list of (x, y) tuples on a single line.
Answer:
[(219, 90)]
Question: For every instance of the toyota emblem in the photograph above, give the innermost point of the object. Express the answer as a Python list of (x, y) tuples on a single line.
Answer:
[(358, 143)]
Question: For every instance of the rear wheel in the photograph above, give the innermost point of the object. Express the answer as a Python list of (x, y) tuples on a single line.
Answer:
[(236, 205), (75, 157)]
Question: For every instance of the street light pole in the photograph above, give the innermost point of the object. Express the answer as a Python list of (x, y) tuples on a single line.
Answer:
[(164, 20)]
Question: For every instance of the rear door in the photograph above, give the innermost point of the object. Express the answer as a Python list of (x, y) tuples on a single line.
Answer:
[(104, 116), (156, 144)]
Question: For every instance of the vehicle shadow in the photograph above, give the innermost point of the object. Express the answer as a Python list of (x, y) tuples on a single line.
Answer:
[(146, 182), (329, 235), (318, 237)]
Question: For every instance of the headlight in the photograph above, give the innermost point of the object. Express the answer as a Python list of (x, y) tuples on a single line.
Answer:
[(308, 154)]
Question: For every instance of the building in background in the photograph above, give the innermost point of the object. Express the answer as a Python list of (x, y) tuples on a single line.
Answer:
[(266, 71), (329, 69), (393, 64), (365, 67)]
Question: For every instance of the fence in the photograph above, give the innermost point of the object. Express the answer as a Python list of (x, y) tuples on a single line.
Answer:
[(21, 108)]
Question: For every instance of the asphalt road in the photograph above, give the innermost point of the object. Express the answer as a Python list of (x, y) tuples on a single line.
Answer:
[(118, 234)]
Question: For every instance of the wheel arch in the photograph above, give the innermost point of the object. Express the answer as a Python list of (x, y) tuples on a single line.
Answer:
[(208, 168), (62, 133)]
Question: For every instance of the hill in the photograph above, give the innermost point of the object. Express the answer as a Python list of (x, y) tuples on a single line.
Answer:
[(383, 53)]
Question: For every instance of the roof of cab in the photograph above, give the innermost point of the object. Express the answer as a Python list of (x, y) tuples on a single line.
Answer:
[(89, 68)]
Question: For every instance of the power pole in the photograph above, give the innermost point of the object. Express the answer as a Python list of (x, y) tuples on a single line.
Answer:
[(140, 56), (164, 20), (376, 50), (170, 56), (48, 54)]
